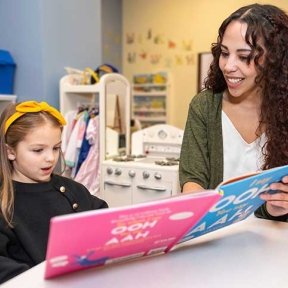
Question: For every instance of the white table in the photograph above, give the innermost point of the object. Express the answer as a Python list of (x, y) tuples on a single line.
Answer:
[(252, 253)]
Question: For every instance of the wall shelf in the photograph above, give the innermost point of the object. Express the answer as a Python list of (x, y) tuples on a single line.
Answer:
[(150, 97)]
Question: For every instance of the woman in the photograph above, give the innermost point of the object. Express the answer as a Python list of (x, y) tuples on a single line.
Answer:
[(239, 123)]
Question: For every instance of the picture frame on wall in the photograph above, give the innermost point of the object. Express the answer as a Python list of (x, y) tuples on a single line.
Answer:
[(204, 61)]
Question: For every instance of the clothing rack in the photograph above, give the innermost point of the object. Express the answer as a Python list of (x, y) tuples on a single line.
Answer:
[(99, 94)]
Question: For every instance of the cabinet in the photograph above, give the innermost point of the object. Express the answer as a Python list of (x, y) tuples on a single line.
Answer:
[(5, 100), (150, 98)]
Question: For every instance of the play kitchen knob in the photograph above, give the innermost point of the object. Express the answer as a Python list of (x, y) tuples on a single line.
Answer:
[(109, 171), (157, 176), (118, 171), (132, 173), (146, 174)]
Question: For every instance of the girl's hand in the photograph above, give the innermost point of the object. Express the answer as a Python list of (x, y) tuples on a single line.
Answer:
[(277, 203)]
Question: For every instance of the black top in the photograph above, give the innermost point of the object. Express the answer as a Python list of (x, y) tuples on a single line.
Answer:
[(24, 245)]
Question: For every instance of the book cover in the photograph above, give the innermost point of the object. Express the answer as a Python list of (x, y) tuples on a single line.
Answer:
[(240, 198), (96, 238)]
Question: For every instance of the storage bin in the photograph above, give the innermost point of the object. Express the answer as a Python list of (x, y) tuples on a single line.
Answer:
[(7, 71)]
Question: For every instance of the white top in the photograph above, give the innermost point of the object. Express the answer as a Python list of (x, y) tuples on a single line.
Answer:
[(240, 157)]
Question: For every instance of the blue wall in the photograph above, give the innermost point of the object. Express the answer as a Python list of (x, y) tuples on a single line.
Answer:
[(45, 36), (20, 31), (111, 19)]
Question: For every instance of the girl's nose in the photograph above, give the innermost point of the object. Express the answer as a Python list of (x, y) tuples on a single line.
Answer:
[(50, 157)]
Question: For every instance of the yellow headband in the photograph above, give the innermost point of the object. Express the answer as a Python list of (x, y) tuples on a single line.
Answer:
[(32, 107)]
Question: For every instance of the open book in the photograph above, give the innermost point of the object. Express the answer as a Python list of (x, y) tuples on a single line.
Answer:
[(96, 238), (240, 198), (99, 237)]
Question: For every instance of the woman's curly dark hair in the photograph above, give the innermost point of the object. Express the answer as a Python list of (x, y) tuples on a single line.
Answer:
[(268, 24)]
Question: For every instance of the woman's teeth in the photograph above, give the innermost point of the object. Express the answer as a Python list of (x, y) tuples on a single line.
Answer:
[(234, 80)]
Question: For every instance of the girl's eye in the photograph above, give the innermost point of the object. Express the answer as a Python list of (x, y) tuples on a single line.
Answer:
[(37, 150), (57, 148)]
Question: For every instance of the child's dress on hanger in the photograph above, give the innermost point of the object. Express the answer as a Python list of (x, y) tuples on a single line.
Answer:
[(89, 172)]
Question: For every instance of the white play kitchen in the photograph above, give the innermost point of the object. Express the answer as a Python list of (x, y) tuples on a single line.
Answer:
[(149, 173)]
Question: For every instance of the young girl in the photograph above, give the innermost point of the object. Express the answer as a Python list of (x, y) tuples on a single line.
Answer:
[(30, 141), (239, 123)]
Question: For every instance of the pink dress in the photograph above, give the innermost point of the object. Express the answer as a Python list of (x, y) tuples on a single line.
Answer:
[(89, 172)]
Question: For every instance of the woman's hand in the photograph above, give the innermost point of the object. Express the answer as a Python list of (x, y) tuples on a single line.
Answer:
[(191, 187), (277, 203)]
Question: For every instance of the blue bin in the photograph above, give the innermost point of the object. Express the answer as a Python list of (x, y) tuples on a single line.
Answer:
[(7, 71)]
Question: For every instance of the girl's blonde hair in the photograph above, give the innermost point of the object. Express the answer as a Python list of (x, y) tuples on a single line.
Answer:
[(16, 133)]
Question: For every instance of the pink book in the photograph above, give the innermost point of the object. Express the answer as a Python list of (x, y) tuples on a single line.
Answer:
[(96, 238)]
